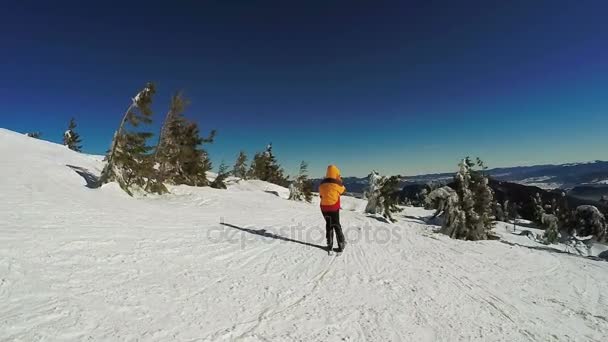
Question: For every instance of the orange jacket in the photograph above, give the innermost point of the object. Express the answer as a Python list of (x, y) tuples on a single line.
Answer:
[(330, 189)]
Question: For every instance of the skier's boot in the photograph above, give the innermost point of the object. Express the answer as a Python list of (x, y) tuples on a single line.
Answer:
[(341, 246)]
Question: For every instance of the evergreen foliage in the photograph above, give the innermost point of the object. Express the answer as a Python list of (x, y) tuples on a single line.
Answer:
[(550, 224), (381, 195), (222, 174), (389, 197), (71, 138), (372, 193), (590, 221), (467, 209), (264, 166), (498, 211), (179, 156), (240, 166), (128, 160), (539, 209), (301, 188)]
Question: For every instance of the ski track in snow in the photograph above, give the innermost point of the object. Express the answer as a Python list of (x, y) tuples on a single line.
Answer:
[(94, 264)]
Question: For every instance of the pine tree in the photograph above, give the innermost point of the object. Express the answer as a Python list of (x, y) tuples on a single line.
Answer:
[(240, 166), (590, 221), (265, 167), (470, 216), (222, 174), (71, 139), (179, 156), (539, 209), (564, 214), (127, 161), (550, 224), (389, 199), (498, 211), (372, 193), (484, 197), (301, 188), (192, 162), (446, 203), (168, 146), (380, 195)]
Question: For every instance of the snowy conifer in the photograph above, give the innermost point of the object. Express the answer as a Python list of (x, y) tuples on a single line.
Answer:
[(591, 222), (471, 218), (564, 214), (550, 224), (301, 188), (193, 162), (389, 197), (380, 195), (499, 213), (264, 166), (222, 174), (372, 194), (128, 161), (539, 209), (447, 205), (179, 156), (240, 166), (71, 139)]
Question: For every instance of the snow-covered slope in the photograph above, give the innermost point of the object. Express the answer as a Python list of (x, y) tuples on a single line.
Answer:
[(202, 264)]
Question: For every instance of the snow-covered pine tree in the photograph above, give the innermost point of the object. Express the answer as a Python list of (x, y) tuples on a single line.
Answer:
[(512, 210), (550, 224), (128, 161), (222, 174), (389, 196), (180, 157), (591, 222), (71, 138), (240, 166), (447, 205), (301, 188), (168, 148), (539, 209), (466, 203), (380, 195), (484, 197), (564, 214), (498, 211), (372, 193), (471, 219)]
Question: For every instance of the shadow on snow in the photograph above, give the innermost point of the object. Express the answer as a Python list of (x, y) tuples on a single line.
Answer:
[(266, 234), (89, 177)]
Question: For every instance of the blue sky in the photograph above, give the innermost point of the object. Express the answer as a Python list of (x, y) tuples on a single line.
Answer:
[(401, 87)]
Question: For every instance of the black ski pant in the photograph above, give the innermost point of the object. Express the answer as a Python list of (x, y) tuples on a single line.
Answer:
[(332, 224)]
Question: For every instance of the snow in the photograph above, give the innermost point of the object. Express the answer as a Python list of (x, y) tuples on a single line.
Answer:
[(542, 182), (241, 264)]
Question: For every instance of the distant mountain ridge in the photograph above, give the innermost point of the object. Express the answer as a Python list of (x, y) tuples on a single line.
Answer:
[(585, 180)]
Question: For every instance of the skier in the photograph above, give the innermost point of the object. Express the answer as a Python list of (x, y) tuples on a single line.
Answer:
[(330, 190)]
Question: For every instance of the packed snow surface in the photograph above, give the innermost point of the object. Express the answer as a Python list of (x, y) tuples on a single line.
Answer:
[(245, 264)]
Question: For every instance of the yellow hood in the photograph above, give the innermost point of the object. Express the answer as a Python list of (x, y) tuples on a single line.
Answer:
[(333, 172)]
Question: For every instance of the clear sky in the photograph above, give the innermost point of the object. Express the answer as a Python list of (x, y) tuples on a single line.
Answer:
[(401, 87)]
